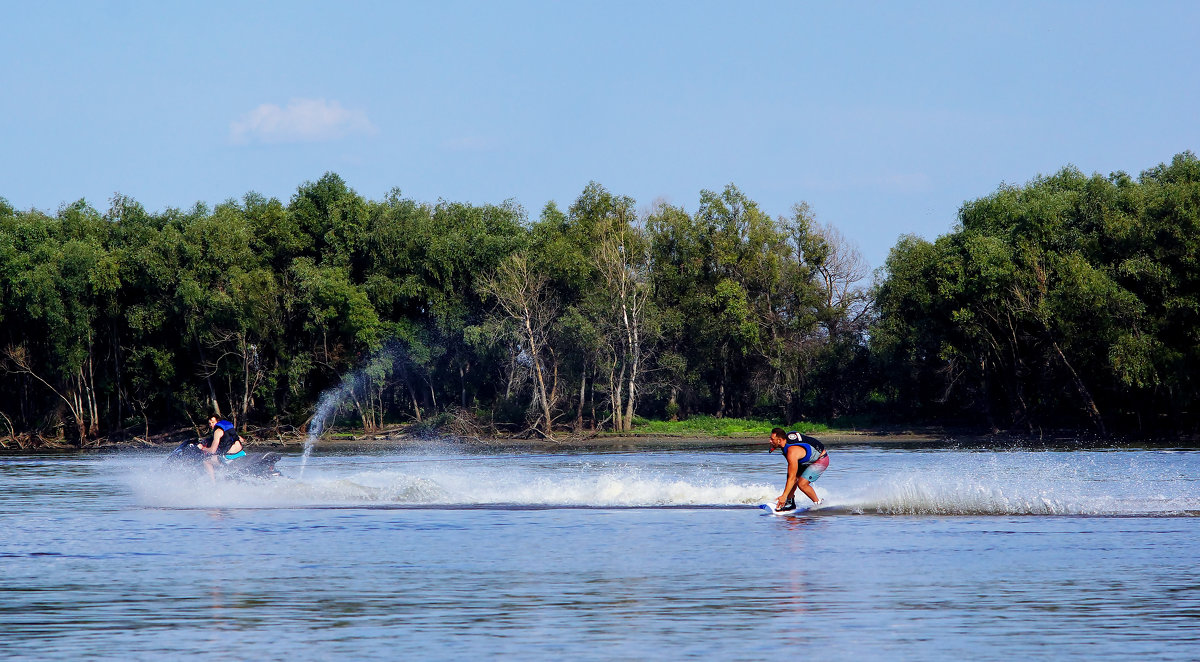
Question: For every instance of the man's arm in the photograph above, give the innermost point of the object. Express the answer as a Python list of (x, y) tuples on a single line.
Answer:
[(793, 470), (216, 442)]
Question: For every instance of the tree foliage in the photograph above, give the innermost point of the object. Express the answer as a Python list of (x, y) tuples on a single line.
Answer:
[(1071, 301), (127, 322), (1068, 302)]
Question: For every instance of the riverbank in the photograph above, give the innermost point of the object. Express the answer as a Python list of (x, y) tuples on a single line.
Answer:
[(415, 436), (898, 436), (410, 436), (605, 442)]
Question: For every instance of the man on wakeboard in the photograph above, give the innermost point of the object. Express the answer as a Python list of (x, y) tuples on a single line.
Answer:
[(225, 447), (806, 460)]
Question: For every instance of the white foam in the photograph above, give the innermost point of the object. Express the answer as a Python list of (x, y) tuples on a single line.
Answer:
[(1033, 483), (869, 482), (459, 484)]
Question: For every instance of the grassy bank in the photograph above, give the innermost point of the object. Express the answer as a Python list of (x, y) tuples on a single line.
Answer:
[(710, 426)]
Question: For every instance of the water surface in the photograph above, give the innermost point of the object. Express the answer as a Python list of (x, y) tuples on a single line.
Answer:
[(921, 554)]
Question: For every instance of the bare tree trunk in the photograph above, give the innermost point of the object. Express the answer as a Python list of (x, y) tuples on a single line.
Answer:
[(233, 409), (592, 407), (512, 373), (93, 404), (252, 374), (379, 399), (120, 391), (721, 392), (537, 368), (245, 382), (77, 409), (1088, 402), (416, 404), (625, 276), (412, 394), (521, 292), (582, 391), (1037, 309), (634, 358), (616, 385), (462, 378), (629, 402), (553, 373), (362, 415), (20, 357), (212, 392)]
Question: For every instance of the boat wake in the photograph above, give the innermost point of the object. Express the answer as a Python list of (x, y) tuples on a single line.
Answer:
[(963, 484), (594, 485), (1096, 484)]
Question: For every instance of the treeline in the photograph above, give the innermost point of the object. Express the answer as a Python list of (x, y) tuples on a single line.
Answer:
[(124, 323), (1069, 302)]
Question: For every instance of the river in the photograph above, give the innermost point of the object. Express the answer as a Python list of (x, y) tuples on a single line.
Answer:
[(944, 553)]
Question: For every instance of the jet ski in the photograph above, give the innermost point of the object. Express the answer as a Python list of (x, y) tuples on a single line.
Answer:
[(188, 456)]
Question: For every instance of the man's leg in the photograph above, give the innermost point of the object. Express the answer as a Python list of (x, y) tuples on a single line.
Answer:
[(806, 487), (209, 464), (812, 472)]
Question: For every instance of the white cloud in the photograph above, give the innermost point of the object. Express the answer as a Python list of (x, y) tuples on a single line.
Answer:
[(303, 120)]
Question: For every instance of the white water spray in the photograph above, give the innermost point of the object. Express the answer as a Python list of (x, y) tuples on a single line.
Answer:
[(869, 482), (378, 367), (325, 406)]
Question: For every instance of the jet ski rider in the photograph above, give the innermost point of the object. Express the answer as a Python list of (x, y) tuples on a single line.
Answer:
[(806, 459), (225, 447)]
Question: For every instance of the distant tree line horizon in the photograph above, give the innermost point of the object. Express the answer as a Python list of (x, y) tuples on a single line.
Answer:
[(1069, 303)]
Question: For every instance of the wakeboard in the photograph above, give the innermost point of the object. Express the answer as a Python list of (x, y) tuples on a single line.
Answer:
[(798, 510)]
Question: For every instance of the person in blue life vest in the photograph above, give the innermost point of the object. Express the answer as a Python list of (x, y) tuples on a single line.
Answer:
[(225, 446), (806, 461)]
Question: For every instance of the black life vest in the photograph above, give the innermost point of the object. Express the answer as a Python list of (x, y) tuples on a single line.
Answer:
[(812, 447), (228, 437)]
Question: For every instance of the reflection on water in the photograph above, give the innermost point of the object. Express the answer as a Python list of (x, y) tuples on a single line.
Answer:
[(922, 555)]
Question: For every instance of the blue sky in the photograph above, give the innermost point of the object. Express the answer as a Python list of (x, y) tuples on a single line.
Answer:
[(884, 117)]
